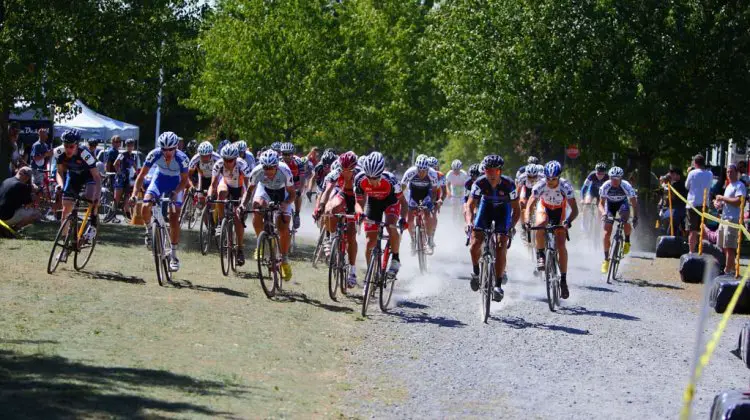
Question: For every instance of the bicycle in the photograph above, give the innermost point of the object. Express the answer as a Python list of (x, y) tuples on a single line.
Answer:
[(267, 252), (487, 261), (159, 240), (616, 250), (227, 246), (107, 205), (420, 237), (590, 225), (551, 272), (292, 234), (192, 204), (207, 230), (376, 276), (337, 263), (319, 253), (531, 240), (75, 239)]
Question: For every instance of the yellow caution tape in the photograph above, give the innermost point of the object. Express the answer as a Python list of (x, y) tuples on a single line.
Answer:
[(689, 394), (8, 228)]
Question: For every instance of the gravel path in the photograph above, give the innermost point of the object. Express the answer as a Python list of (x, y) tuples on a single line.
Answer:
[(613, 351)]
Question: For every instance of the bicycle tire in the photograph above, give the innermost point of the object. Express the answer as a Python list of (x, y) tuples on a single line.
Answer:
[(90, 247), (334, 272), (187, 206), (225, 248), (387, 284), (549, 278), (421, 250), (53, 261), (204, 231), (157, 249), (267, 261), (613, 261), (166, 240), (485, 293), (191, 216), (318, 248), (370, 278)]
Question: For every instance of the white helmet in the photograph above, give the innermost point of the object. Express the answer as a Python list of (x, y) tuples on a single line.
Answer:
[(361, 160), (230, 151), (532, 170), (433, 162), (532, 159), (167, 140), (423, 162), (205, 148), (374, 165), (269, 158), (241, 146), (456, 165), (616, 172)]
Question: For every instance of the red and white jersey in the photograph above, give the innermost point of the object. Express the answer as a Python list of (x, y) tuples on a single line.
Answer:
[(232, 177), (387, 189)]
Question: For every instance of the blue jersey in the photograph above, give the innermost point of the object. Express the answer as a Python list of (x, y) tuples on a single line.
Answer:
[(178, 165), (127, 161), (110, 155), (38, 150), (503, 193), (592, 184), (80, 163)]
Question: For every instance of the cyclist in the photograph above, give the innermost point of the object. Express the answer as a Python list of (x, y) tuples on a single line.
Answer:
[(221, 145), (295, 165), (532, 160), (422, 182), (192, 147), (528, 179), (110, 155), (77, 167), (321, 170), (201, 166), (591, 186), (169, 177), (271, 182), (39, 155), (228, 179), (455, 181), (617, 196), (124, 162), (556, 195), (245, 154), (492, 198), (337, 198), (474, 173), (383, 194)]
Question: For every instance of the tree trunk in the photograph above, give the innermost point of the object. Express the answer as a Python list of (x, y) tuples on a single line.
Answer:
[(5, 148), (647, 211)]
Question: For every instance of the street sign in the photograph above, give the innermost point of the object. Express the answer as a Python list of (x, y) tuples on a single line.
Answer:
[(572, 151)]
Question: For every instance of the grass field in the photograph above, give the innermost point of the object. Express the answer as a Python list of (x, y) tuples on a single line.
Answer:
[(109, 342)]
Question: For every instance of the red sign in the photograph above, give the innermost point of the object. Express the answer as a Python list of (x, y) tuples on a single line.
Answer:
[(572, 151)]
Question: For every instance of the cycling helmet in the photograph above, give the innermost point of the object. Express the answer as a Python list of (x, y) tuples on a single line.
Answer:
[(269, 158), (474, 170), (167, 140), (433, 162), (493, 161), (456, 165), (205, 148), (348, 160), (330, 150), (93, 142), (222, 144), (374, 165), (540, 169), (230, 151), (71, 136), (361, 160), (601, 167), (192, 146), (423, 156), (328, 158), (276, 146), (423, 162), (241, 146), (532, 170), (287, 148), (616, 172), (552, 169), (336, 166), (129, 141), (532, 159)]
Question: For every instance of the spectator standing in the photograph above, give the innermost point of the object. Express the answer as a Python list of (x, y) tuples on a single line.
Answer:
[(729, 202), (698, 180), (678, 212), (39, 157), (15, 197)]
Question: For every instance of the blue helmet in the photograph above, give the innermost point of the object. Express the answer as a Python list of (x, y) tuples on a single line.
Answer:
[(222, 144), (71, 136), (552, 169)]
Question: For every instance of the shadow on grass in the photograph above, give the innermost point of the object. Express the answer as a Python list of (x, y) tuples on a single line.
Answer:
[(520, 323), (411, 305), (580, 310), (422, 317), (293, 297), (184, 284), (39, 386), (111, 276), (646, 283), (599, 289), (34, 342)]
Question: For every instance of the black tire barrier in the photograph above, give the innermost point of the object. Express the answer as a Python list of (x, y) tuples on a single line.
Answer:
[(671, 247), (722, 289), (716, 252), (693, 266), (731, 405), (743, 346)]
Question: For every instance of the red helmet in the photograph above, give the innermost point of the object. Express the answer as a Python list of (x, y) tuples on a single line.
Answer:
[(348, 160)]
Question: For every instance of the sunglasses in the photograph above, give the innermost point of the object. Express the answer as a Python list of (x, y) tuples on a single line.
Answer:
[(71, 146), (373, 178), (493, 170), (268, 168), (553, 179), (171, 149), (229, 160)]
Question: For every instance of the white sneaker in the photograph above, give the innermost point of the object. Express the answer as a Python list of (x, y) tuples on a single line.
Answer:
[(393, 268), (352, 280), (327, 247), (174, 264), (90, 234)]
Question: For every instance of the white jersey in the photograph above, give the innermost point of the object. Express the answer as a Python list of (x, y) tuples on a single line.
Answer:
[(616, 194), (250, 159), (205, 169), (524, 181), (282, 179), (553, 197), (232, 176), (176, 166), (412, 180), (456, 182)]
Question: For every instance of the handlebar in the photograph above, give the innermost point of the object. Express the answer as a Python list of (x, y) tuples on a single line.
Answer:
[(552, 228)]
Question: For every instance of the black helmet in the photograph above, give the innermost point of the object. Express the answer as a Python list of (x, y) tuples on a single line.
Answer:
[(601, 167), (493, 161), (71, 136), (474, 170)]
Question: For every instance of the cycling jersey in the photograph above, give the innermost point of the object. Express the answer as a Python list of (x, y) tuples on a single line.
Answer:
[(467, 188), (553, 198), (127, 160), (176, 166), (250, 159), (319, 172), (456, 181), (204, 169), (494, 204), (80, 163), (592, 184), (296, 165), (334, 177), (616, 194), (231, 177), (388, 189), (521, 171), (527, 185), (281, 180)]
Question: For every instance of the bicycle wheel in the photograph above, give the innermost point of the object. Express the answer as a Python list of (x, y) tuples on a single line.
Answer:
[(86, 249), (421, 250), (61, 243), (157, 248), (387, 283), (319, 253), (267, 269), (614, 260), (204, 233), (370, 278), (334, 272), (165, 256), (485, 288), (549, 279), (225, 247), (191, 216), (187, 208)]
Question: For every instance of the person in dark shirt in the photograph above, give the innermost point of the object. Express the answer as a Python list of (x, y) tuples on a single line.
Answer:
[(15, 196), (678, 211)]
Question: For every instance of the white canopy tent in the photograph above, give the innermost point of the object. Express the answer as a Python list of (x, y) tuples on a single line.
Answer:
[(94, 125)]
